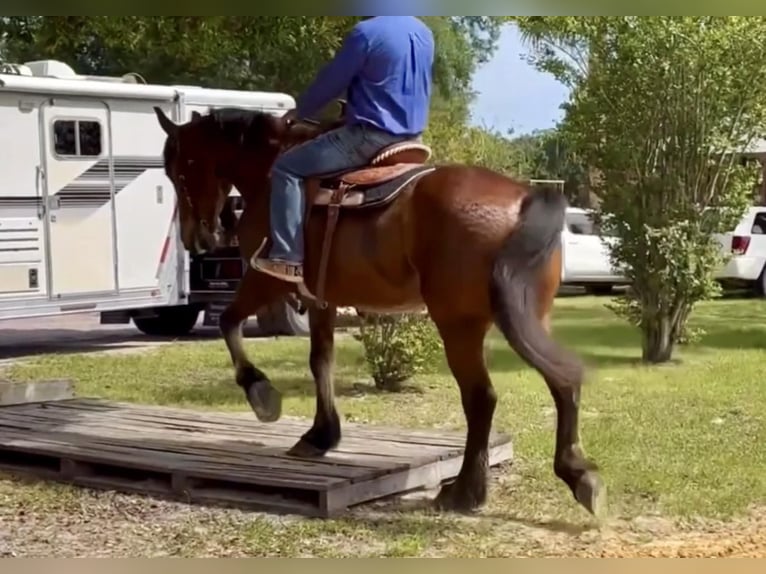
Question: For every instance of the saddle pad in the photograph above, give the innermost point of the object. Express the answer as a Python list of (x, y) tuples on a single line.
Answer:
[(360, 196)]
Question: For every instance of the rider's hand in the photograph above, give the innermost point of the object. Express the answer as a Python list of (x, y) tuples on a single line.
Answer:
[(290, 117)]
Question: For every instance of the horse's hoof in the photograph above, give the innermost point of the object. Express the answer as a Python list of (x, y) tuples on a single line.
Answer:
[(452, 498), (304, 449), (591, 493), (265, 400)]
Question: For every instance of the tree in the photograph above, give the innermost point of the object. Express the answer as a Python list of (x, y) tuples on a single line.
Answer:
[(660, 107), (220, 51), (246, 52), (547, 154)]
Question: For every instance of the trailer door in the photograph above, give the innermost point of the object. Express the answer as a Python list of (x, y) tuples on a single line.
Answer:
[(78, 186)]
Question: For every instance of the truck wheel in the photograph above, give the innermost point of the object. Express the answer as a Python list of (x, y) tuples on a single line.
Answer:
[(760, 283), (598, 289), (168, 321), (281, 319)]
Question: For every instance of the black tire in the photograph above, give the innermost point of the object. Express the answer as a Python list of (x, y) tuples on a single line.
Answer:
[(169, 321), (598, 289), (760, 284), (281, 319)]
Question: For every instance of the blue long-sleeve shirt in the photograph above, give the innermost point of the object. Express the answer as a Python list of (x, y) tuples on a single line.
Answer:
[(385, 65)]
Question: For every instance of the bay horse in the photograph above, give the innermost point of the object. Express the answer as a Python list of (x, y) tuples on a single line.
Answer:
[(471, 246)]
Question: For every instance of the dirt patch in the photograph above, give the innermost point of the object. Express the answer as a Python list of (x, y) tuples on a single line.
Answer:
[(82, 523), (741, 538)]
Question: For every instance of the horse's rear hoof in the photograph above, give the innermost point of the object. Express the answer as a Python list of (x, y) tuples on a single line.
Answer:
[(591, 493), (265, 400)]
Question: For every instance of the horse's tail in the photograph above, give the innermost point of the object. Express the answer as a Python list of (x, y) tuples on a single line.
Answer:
[(516, 275)]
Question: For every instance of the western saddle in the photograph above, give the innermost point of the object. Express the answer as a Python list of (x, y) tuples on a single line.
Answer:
[(350, 189), (388, 164)]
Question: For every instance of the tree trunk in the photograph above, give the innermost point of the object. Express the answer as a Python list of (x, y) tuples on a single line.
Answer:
[(657, 341)]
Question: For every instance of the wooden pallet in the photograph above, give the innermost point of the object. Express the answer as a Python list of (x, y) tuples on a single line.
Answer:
[(223, 458)]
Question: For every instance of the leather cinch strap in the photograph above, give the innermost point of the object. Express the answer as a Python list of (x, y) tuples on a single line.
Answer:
[(333, 211)]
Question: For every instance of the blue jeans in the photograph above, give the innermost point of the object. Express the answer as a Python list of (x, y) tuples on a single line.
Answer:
[(348, 147)]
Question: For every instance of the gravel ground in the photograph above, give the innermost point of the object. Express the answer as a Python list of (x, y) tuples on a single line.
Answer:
[(62, 522)]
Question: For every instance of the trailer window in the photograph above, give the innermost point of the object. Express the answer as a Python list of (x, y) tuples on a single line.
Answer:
[(79, 138)]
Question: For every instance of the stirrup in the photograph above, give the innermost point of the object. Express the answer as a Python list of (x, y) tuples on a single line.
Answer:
[(282, 270)]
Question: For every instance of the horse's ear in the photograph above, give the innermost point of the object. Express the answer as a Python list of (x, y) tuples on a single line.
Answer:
[(196, 116), (169, 127)]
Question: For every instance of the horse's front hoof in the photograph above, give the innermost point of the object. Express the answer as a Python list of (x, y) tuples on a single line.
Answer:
[(453, 497), (265, 400), (304, 449)]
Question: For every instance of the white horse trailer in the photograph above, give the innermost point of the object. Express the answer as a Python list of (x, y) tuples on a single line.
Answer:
[(88, 219)]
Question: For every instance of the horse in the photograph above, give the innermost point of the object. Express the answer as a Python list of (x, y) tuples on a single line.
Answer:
[(472, 247)]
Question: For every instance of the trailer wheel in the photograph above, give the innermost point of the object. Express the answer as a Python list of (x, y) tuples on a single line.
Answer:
[(281, 319), (168, 321)]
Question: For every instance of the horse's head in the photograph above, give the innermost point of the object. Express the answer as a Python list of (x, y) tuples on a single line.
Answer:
[(206, 155), (202, 160)]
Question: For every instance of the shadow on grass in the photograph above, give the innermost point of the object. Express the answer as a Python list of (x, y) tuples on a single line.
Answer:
[(733, 321), (214, 393), (73, 341), (733, 338), (400, 511)]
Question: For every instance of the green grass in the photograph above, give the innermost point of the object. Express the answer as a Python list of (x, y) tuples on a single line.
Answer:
[(680, 440)]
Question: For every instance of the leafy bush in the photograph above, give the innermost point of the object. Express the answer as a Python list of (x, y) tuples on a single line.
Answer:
[(397, 347)]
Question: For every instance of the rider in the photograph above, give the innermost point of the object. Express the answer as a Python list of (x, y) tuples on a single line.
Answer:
[(385, 64)]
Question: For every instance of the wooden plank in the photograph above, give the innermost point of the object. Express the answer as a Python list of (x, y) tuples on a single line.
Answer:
[(293, 426), (15, 393), (272, 502), (108, 455), (262, 469), (289, 426), (246, 454), (300, 501), (350, 443), (351, 452)]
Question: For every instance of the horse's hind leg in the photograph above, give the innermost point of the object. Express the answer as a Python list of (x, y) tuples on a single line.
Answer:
[(464, 347), (570, 463), (528, 331), (325, 433), (254, 292)]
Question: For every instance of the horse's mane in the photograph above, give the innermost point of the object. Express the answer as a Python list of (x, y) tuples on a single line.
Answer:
[(257, 130), (169, 151), (251, 128)]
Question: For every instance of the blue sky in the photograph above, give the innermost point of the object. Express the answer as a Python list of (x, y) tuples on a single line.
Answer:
[(512, 94)]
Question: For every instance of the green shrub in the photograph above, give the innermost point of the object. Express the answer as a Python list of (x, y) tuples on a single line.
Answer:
[(397, 347)]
